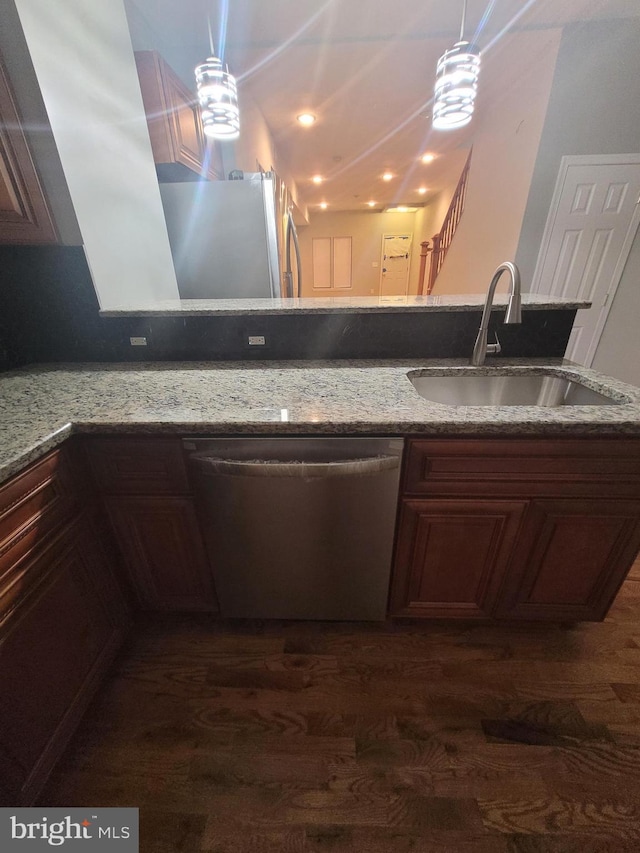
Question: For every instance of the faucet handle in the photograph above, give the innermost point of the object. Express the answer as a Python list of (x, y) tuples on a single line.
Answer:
[(494, 349)]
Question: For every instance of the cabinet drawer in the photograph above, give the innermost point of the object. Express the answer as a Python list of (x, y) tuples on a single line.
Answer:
[(503, 466), (138, 466), (31, 505), (26, 573)]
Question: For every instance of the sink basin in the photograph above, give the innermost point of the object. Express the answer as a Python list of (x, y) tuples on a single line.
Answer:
[(507, 390)]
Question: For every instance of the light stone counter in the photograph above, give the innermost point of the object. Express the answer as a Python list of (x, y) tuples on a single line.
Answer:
[(337, 305), (40, 406)]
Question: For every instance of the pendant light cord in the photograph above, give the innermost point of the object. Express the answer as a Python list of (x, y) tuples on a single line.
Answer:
[(464, 15)]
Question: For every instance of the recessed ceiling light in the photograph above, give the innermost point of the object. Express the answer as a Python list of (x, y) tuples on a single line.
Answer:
[(388, 176), (306, 119), (428, 158), (317, 179), (422, 190), (371, 203), (324, 205)]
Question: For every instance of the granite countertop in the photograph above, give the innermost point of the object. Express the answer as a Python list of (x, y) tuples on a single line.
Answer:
[(40, 406), (337, 305)]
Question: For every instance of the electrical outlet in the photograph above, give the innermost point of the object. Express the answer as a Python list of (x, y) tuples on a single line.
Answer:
[(138, 341), (257, 340)]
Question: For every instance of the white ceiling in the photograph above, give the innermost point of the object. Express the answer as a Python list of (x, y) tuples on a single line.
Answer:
[(366, 69)]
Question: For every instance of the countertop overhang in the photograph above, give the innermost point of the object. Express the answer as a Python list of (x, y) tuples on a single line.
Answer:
[(336, 305), (41, 406)]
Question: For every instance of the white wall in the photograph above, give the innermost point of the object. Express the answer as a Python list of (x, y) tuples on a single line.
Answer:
[(592, 110), (618, 352), (505, 146), (82, 55)]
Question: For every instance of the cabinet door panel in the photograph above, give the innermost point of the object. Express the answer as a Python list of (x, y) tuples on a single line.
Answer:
[(451, 556), (161, 542), (189, 137), (24, 214), (572, 557), (180, 148)]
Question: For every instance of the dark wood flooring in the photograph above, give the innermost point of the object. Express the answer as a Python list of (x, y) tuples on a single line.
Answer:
[(306, 737)]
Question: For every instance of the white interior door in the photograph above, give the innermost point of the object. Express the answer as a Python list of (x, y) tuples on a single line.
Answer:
[(590, 228), (396, 259)]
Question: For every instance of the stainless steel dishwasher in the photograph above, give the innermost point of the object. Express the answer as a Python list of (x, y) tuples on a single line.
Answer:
[(298, 528)]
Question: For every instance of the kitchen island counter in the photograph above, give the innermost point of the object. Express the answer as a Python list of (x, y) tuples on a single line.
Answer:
[(40, 406)]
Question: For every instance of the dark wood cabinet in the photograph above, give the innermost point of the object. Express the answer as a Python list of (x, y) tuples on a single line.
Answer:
[(572, 556), (148, 499), (55, 650), (24, 213), (452, 556), (162, 546), (62, 617), (180, 149), (144, 466), (542, 529)]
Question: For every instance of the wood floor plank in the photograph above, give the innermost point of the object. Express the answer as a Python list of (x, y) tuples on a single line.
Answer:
[(238, 724), (556, 815), (427, 753), (574, 843), (227, 770), (602, 760), (549, 690), (347, 839), (238, 837), (514, 730), (627, 692), (490, 761), (493, 784), (374, 778), (370, 725), (167, 832)]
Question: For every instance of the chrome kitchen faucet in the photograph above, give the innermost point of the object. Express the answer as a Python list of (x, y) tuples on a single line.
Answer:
[(512, 315)]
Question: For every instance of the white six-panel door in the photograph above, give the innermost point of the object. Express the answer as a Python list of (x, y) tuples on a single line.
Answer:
[(396, 260), (590, 228)]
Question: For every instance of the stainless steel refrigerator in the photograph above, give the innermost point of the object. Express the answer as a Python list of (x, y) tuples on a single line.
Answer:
[(229, 238)]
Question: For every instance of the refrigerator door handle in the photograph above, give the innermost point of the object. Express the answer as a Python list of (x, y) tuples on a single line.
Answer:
[(292, 236)]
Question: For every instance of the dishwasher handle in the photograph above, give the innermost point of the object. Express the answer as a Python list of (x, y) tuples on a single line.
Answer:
[(212, 466)]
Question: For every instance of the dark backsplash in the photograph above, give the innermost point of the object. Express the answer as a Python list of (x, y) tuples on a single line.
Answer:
[(49, 313)]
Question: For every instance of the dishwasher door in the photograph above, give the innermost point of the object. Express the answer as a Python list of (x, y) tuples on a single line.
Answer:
[(298, 528)]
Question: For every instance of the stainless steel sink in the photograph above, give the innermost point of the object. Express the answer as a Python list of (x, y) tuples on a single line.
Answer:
[(507, 390)]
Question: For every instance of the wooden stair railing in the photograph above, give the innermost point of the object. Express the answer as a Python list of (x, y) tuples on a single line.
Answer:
[(442, 240)]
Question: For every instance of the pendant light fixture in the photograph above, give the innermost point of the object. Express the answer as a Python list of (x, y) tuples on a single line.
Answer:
[(456, 83), (218, 97)]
